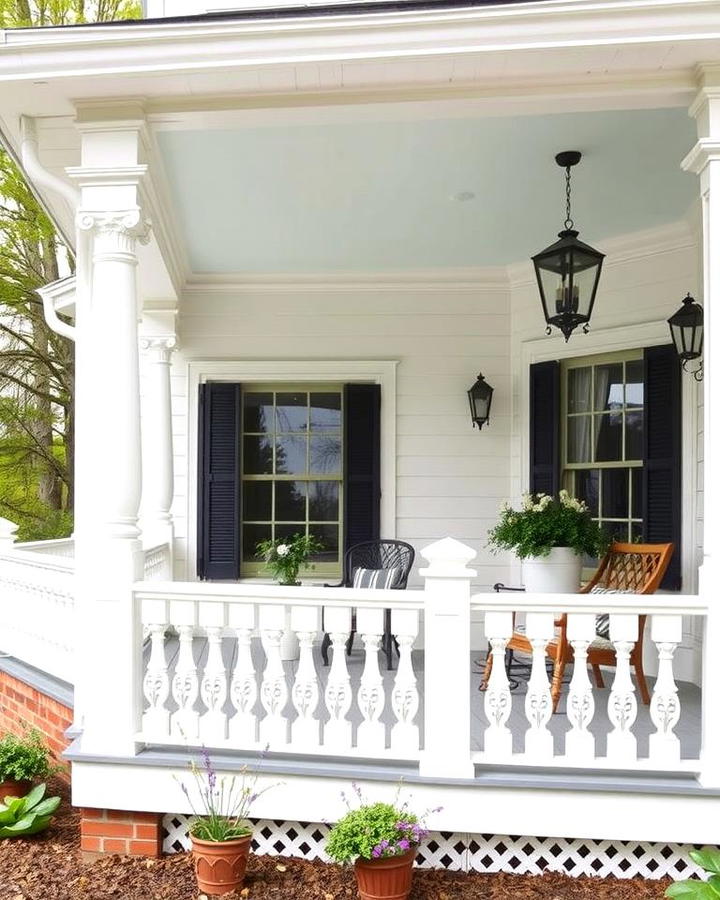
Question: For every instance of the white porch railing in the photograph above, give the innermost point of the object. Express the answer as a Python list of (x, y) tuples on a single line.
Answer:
[(580, 699), (215, 674), (37, 619), (249, 698), (158, 563), (61, 547)]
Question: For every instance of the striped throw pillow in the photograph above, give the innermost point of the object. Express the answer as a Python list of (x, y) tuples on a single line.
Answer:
[(602, 623), (382, 579)]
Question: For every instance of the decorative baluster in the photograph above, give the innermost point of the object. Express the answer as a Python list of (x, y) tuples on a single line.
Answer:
[(371, 693), (273, 689), (622, 703), (337, 734), (156, 687), (498, 701), (214, 690), (305, 622), (665, 703), (579, 742), (185, 688), (243, 684), (540, 628), (405, 734)]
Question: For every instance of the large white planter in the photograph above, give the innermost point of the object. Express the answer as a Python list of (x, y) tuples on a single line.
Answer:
[(557, 573)]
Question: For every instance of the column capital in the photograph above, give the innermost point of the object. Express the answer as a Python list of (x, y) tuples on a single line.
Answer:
[(161, 346), (128, 223)]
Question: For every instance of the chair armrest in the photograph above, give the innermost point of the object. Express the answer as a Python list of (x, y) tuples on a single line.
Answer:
[(341, 584)]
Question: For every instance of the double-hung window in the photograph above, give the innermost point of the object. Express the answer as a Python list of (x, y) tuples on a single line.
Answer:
[(602, 401)]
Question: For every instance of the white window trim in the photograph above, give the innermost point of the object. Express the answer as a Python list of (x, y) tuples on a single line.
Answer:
[(382, 372), (608, 340)]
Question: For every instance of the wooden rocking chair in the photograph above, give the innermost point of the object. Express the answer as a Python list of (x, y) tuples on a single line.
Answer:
[(625, 569)]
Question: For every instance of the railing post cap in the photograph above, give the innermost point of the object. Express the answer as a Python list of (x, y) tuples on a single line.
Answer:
[(8, 530), (448, 558)]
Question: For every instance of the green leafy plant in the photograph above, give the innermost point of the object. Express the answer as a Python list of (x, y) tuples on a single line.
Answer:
[(285, 558), (24, 758), (23, 816), (224, 802), (694, 889), (544, 522), (374, 831)]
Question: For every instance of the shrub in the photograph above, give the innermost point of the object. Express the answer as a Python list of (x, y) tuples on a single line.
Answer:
[(24, 758), (693, 889)]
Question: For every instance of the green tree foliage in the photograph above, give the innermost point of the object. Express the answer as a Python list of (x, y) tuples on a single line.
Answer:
[(37, 365)]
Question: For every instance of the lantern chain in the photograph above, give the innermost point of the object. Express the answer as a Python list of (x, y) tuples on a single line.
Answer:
[(569, 224)]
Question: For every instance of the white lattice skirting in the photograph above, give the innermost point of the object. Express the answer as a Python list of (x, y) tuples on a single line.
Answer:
[(478, 852)]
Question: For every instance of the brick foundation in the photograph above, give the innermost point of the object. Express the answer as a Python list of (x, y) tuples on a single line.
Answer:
[(21, 705), (119, 831)]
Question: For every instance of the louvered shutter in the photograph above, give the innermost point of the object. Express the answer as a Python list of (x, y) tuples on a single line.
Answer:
[(662, 488), (361, 504), (545, 428), (219, 481)]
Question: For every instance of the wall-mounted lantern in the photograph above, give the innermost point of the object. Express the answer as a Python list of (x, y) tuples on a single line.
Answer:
[(568, 271), (686, 329), (480, 397)]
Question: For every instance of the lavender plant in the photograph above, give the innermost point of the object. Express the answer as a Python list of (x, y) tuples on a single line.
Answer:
[(375, 831), (224, 802)]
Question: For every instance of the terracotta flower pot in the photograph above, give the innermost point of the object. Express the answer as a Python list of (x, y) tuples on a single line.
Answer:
[(385, 879), (12, 788), (220, 865)]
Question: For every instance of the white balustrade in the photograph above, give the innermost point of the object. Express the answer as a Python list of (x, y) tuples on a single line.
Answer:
[(498, 700), (38, 610), (666, 632), (214, 674), (580, 743), (371, 694), (538, 702), (158, 563)]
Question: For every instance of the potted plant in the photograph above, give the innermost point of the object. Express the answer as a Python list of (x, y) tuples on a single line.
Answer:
[(220, 832), (285, 558), (381, 839), (22, 761), (550, 535)]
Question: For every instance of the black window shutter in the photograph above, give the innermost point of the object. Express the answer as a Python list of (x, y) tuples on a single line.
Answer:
[(218, 532), (545, 428), (662, 488), (361, 506)]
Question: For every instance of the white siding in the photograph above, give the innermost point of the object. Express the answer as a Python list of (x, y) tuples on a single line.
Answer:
[(450, 479)]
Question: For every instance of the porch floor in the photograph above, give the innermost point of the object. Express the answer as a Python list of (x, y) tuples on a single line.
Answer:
[(688, 728)]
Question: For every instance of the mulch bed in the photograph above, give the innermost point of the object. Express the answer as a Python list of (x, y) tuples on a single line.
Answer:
[(49, 867)]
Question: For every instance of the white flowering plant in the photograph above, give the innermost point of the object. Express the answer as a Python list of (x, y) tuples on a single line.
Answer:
[(284, 557), (544, 522)]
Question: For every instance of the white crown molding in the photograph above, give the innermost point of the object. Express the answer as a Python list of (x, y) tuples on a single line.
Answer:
[(459, 280)]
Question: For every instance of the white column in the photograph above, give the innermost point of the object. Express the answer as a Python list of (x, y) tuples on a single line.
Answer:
[(108, 548), (704, 160), (447, 660), (158, 480)]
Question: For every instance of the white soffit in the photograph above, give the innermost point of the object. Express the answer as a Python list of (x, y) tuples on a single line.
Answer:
[(401, 195)]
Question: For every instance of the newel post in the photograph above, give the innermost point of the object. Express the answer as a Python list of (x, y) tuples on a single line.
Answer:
[(8, 534), (447, 660)]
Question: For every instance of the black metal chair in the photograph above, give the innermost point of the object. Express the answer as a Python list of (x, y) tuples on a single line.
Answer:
[(374, 555)]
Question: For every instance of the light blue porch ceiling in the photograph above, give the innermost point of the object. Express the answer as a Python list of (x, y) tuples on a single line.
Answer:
[(379, 196)]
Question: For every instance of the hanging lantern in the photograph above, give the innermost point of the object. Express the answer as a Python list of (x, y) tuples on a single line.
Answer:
[(686, 329), (480, 396), (568, 271)]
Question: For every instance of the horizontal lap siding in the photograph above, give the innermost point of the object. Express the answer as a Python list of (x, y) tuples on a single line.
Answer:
[(450, 478)]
